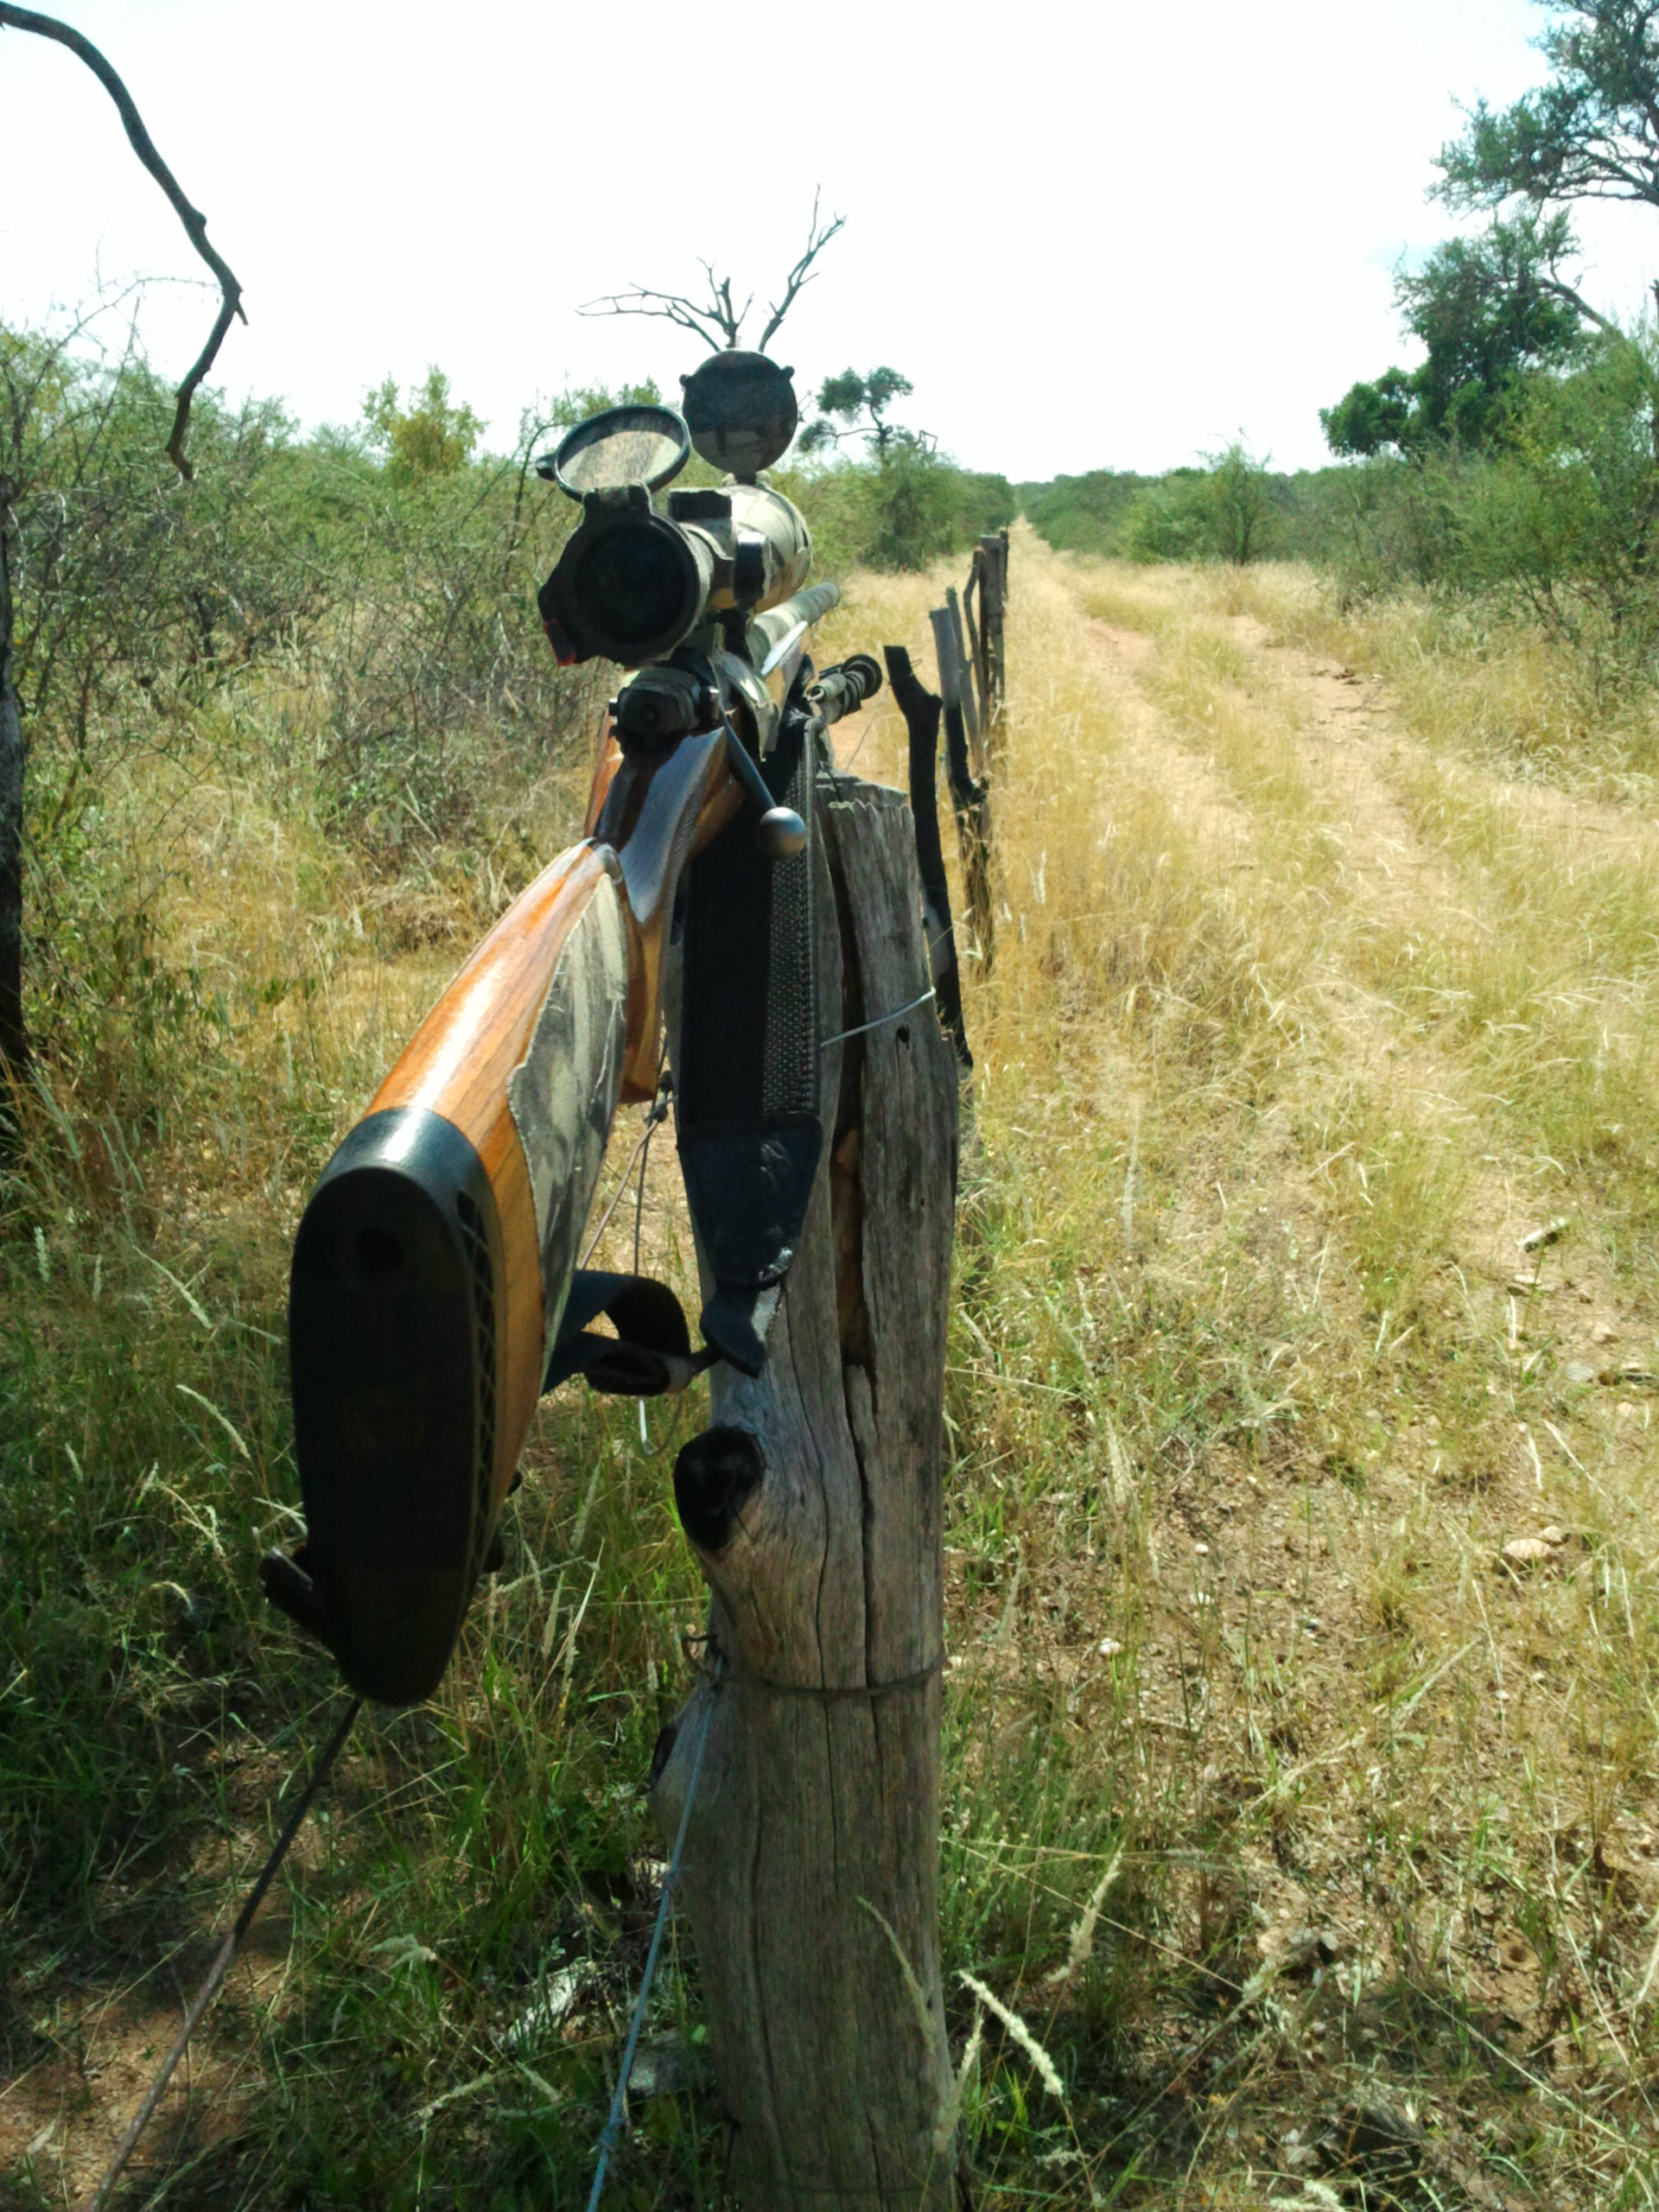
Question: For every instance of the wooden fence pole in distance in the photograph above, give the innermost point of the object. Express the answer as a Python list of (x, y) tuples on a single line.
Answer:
[(814, 1506), (1001, 671), (993, 604), (969, 796), (921, 712), (976, 647), (970, 713)]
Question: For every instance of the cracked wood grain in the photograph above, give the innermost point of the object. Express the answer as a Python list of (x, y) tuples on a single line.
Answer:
[(813, 1850)]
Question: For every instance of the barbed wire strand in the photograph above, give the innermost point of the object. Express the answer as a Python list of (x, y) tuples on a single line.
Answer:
[(222, 1962), (612, 2126)]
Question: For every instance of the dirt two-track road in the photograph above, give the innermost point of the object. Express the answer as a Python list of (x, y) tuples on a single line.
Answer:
[(1319, 1163)]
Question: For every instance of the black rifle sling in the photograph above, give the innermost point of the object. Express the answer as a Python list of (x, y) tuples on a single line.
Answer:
[(921, 711), (650, 1352), (746, 1105)]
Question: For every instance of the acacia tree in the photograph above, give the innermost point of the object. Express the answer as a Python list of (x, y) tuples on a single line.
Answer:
[(859, 404), (1490, 309), (1592, 132), (13, 756), (1486, 310)]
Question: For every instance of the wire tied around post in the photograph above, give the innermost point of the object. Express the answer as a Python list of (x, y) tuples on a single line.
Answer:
[(881, 1022)]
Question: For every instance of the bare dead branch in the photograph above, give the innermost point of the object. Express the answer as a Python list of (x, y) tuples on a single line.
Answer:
[(194, 222), (718, 322), (729, 321), (817, 237), (673, 307), (1558, 288)]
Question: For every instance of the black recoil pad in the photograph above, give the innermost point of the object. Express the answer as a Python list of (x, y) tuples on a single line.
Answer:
[(395, 1285)]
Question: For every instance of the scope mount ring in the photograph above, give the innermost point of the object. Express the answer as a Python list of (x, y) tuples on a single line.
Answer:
[(638, 443)]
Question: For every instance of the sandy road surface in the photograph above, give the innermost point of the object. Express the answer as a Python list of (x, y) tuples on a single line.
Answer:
[(1403, 1017)]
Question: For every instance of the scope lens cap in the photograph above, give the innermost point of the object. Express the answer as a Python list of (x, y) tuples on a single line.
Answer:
[(742, 412), (637, 444)]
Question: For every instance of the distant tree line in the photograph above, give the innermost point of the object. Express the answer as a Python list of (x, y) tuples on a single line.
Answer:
[(1235, 507)]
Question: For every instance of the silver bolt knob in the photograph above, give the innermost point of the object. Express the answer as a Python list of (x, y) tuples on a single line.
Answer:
[(781, 833)]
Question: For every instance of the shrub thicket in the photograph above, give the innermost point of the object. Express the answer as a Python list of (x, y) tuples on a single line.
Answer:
[(1234, 508), (1556, 522), (898, 510), (349, 613)]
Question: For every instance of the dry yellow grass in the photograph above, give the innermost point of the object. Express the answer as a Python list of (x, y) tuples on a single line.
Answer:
[(1312, 1841), (1302, 1029)]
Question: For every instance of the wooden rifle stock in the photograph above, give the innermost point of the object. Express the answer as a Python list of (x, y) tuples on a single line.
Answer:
[(433, 1262)]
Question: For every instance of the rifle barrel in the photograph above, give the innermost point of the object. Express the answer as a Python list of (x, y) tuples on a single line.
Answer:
[(809, 606)]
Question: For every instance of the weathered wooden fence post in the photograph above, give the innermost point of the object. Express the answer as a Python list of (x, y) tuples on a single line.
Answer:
[(970, 793), (813, 1502), (994, 600), (921, 711), (971, 714)]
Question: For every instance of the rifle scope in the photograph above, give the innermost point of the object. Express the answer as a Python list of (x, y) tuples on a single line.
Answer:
[(633, 583)]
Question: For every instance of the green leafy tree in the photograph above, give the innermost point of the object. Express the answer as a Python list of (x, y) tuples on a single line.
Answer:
[(1219, 513), (1239, 499), (1380, 416), (1591, 132), (1488, 311), (432, 436), (905, 503), (1168, 520), (852, 405), (1570, 521)]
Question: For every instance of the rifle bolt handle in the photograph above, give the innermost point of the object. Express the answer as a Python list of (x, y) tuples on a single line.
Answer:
[(781, 834)]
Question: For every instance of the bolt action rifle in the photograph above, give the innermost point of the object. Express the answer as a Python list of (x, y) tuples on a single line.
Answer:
[(436, 1293)]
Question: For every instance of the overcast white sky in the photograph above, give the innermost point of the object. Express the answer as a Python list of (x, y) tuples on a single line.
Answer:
[(1091, 235)]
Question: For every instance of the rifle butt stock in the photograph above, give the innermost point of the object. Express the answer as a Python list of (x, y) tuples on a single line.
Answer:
[(435, 1257), (429, 1274)]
